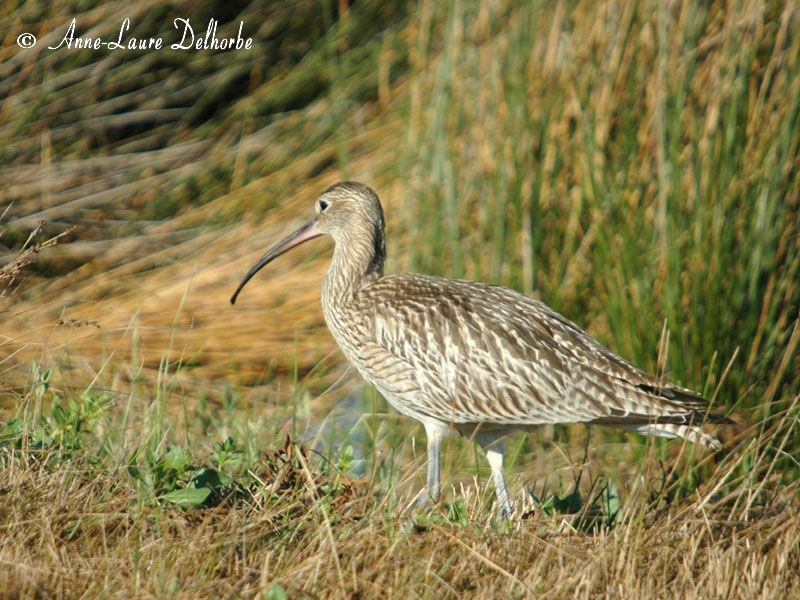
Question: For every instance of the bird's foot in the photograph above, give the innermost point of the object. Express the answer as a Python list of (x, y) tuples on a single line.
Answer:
[(424, 501), (504, 511), (504, 520), (421, 510)]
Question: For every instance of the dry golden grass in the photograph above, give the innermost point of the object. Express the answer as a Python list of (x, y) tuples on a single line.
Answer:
[(76, 533), (181, 293)]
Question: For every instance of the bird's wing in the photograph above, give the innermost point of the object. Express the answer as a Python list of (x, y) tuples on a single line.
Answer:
[(467, 352)]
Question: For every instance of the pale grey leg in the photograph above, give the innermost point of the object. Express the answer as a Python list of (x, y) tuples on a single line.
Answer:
[(435, 433), (493, 445)]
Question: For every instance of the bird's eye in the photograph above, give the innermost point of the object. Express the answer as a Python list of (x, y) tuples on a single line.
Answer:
[(322, 205)]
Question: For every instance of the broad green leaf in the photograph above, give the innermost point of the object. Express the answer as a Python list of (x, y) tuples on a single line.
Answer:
[(187, 497), (176, 458)]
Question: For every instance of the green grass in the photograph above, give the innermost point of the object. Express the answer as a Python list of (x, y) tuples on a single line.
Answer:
[(635, 166)]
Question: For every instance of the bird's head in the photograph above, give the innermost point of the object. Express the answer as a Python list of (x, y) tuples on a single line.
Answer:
[(345, 208), (345, 211)]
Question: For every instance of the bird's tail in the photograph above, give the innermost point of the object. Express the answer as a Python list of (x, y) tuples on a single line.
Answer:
[(679, 413), (693, 433)]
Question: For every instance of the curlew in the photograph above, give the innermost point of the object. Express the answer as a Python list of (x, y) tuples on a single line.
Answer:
[(479, 359)]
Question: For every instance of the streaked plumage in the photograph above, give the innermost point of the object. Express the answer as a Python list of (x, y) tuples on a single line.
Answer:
[(482, 359)]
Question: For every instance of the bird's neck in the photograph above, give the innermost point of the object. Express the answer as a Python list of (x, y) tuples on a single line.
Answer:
[(357, 261)]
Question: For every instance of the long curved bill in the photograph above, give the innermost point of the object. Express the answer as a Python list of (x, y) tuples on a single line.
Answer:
[(307, 232)]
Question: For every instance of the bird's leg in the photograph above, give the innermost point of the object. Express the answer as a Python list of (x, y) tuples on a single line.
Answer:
[(493, 445), (434, 432)]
